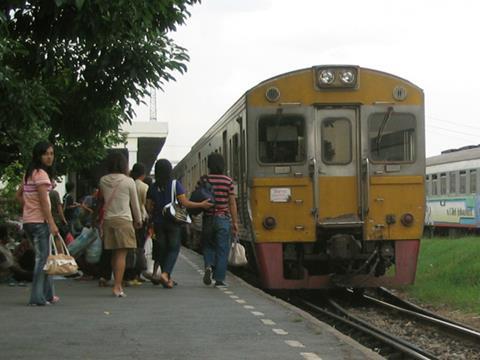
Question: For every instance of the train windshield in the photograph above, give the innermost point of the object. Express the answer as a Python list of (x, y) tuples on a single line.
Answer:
[(392, 136), (281, 138)]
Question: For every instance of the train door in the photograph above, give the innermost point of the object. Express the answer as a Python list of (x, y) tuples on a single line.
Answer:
[(335, 167)]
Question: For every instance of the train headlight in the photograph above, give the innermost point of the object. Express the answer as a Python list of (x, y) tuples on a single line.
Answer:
[(269, 222), (336, 77), (347, 77), (407, 219), (326, 77)]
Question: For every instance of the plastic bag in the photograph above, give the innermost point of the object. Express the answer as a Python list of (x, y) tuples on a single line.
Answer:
[(94, 250), (237, 255), (82, 241)]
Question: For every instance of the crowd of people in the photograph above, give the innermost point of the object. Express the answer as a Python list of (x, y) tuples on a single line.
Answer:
[(127, 208)]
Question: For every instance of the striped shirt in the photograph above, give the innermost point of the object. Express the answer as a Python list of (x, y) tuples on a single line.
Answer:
[(223, 188), (32, 211)]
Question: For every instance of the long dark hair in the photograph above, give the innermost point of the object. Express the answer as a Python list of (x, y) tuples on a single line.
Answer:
[(163, 172), (40, 149)]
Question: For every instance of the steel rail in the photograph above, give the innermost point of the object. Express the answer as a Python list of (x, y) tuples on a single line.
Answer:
[(475, 335), (358, 324)]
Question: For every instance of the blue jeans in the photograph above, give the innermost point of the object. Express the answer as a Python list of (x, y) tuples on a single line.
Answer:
[(42, 284), (166, 245), (216, 234)]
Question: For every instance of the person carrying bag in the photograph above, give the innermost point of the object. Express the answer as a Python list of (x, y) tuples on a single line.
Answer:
[(161, 199)]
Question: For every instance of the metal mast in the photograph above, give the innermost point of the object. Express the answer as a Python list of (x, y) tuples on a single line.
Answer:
[(153, 104)]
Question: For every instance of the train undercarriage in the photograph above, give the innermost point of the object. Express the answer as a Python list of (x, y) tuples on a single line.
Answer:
[(337, 260)]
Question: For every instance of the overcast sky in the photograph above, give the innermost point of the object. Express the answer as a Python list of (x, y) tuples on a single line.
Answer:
[(235, 44)]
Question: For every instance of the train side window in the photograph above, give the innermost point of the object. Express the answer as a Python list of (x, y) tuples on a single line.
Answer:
[(434, 184), (392, 136), (235, 158), (427, 185), (453, 183), (473, 181), (336, 141), (281, 138), (463, 182), (443, 183)]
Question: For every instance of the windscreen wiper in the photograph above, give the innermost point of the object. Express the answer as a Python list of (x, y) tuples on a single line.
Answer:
[(387, 117)]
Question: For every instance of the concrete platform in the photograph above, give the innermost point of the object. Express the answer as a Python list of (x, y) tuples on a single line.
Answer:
[(191, 321)]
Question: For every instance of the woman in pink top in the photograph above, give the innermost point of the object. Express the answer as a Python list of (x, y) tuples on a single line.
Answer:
[(37, 218)]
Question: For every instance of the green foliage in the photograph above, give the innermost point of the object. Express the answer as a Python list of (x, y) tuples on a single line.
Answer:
[(449, 273), (70, 69), (12, 176)]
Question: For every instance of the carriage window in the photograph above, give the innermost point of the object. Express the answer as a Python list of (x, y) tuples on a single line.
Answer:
[(336, 141), (463, 182), (473, 181), (453, 183), (392, 136), (434, 184), (281, 138), (443, 183)]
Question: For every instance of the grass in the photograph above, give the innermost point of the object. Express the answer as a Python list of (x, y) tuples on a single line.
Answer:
[(448, 273)]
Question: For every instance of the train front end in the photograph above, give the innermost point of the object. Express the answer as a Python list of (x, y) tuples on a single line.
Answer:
[(336, 173)]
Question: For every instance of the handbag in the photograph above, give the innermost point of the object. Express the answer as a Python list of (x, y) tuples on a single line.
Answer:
[(59, 264), (237, 254), (174, 211), (203, 192)]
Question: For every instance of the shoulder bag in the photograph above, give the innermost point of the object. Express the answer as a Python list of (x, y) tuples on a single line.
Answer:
[(203, 192), (174, 211)]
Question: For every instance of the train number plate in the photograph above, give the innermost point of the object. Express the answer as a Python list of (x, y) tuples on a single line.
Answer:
[(280, 194)]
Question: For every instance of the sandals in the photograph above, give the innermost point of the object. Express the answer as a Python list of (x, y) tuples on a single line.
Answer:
[(121, 294)]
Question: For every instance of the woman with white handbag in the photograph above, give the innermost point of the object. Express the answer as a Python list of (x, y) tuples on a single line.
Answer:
[(37, 219)]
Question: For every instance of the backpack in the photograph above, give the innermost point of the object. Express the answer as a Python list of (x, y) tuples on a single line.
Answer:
[(203, 192)]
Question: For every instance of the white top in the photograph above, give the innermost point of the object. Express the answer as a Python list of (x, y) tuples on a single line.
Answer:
[(142, 189), (125, 197)]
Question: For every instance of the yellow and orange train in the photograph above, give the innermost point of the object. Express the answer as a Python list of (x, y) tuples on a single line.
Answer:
[(329, 166)]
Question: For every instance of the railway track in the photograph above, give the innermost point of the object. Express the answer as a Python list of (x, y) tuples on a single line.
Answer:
[(394, 328)]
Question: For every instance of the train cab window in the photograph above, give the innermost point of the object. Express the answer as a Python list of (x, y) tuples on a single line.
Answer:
[(434, 184), (281, 139), (392, 136), (463, 182), (443, 183), (473, 181), (336, 141)]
